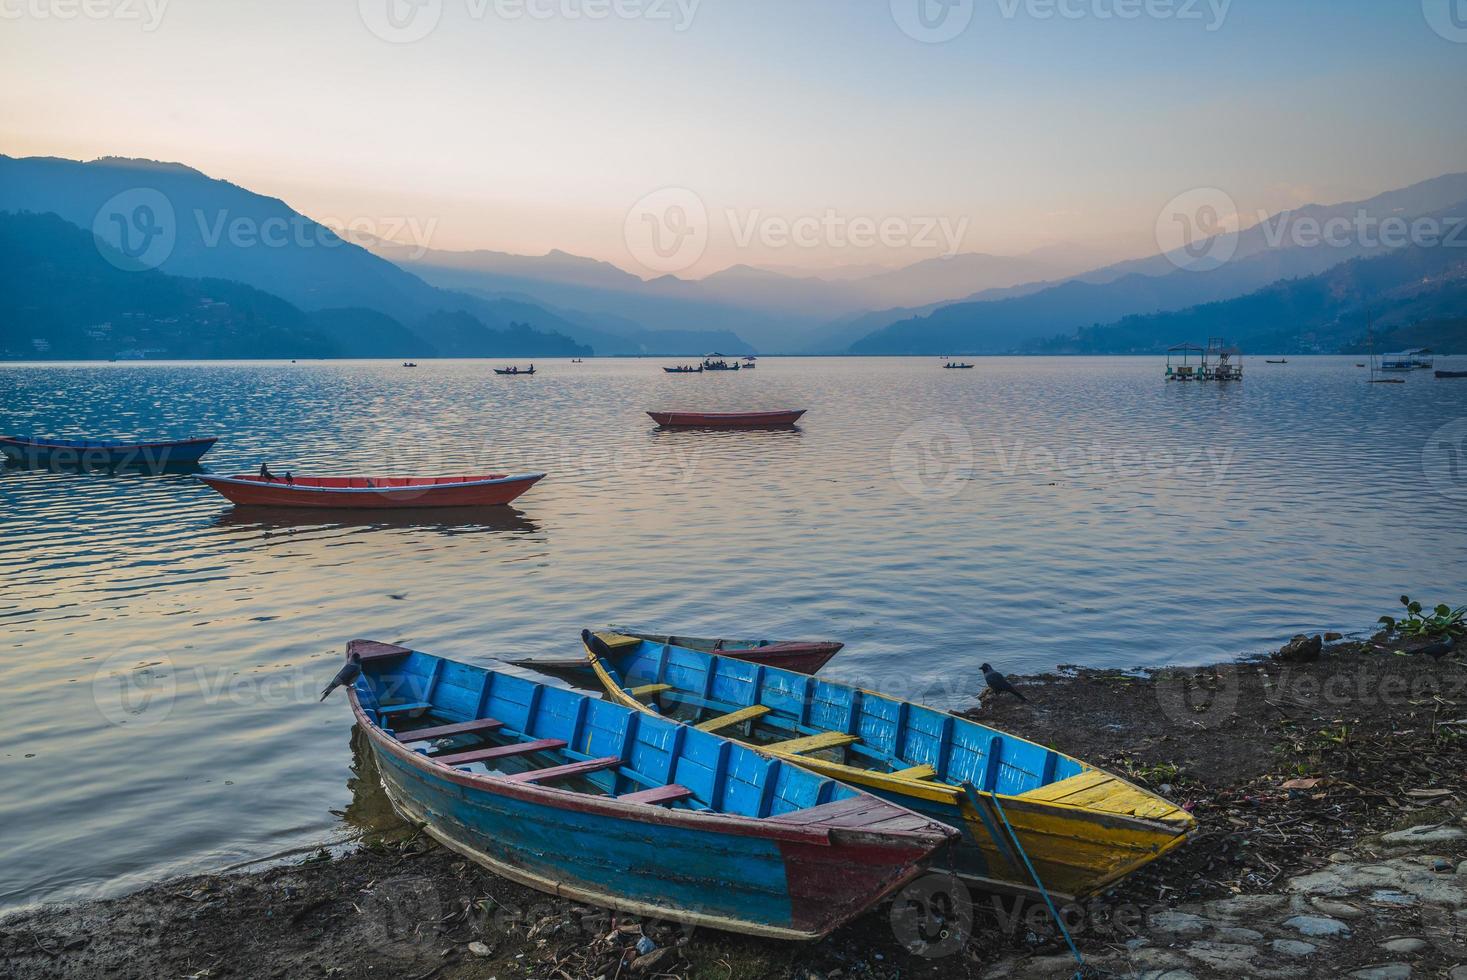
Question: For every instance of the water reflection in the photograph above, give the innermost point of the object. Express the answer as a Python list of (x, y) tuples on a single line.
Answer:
[(370, 808), (441, 520)]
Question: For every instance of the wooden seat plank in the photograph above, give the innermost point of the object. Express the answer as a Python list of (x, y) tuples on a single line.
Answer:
[(500, 752), (923, 771), (647, 690), (569, 769), (813, 743), (444, 731), (658, 794), (733, 718)]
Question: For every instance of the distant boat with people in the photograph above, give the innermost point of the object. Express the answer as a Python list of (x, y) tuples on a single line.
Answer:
[(515, 370), (685, 369), (720, 362), (957, 366)]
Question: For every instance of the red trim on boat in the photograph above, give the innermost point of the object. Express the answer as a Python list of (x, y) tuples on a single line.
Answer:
[(373, 492)]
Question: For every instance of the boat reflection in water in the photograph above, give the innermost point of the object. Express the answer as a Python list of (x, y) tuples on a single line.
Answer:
[(442, 521)]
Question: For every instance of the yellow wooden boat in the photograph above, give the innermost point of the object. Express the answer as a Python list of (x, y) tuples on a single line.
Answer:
[(1080, 827)]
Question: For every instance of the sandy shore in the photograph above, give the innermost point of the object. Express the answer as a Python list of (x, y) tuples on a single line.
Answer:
[(1330, 797)]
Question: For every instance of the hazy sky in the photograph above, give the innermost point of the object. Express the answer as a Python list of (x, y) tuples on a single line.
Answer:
[(526, 125)]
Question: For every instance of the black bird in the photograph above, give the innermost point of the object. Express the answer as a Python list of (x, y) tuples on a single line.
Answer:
[(348, 674), (265, 473), (999, 684), (1438, 649)]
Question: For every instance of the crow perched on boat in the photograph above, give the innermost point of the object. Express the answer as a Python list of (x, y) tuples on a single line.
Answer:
[(265, 473), (348, 674), (999, 684)]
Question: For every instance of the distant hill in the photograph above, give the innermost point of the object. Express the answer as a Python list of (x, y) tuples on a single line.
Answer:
[(214, 229), (1265, 253), (64, 294), (1400, 290)]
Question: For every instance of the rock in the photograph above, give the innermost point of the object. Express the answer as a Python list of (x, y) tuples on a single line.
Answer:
[(1384, 896), (479, 949), (1340, 857), (1179, 923), (1237, 934), (1408, 945), (1386, 971), (1338, 910), (1333, 637), (1315, 925), (649, 961), (1244, 906), (1293, 947), (1425, 834), (1156, 959), (1223, 957), (1444, 867), (1458, 973), (1300, 650), (1462, 868)]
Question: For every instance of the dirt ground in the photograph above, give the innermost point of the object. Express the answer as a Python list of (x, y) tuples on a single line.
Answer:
[(1373, 741)]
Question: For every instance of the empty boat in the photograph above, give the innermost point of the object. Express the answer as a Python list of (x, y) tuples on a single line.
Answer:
[(104, 453), (726, 420), (804, 656), (372, 492), (1081, 827), (592, 801)]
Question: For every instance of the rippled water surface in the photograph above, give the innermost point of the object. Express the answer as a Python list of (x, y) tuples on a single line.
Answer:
[(1030, 512)]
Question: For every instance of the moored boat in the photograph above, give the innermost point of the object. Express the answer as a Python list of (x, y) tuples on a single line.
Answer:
[(104, 453), (592, 801), (726, 420), (372, 492), (1451, 374), (803, 656), (1081, 827)]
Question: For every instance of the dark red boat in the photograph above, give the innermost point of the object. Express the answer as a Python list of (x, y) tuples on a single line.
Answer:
[(803, 656), (373, 492), (725, 420)]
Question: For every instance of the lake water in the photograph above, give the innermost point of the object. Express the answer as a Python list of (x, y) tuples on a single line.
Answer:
[(1030, 512)]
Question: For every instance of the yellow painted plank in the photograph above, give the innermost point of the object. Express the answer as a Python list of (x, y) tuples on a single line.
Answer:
[(733, 718), (1067, 787), (923, 771), (647, 690), (812, 743), (615, 640)]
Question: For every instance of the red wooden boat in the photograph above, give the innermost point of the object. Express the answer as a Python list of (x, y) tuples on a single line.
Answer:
[(376, 492), (803, 656), (725, 420)]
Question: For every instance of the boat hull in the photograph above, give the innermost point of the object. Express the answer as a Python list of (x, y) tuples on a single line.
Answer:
[(67, 453), (1451, 374), (725, 420), (802, 656), (249, 491)]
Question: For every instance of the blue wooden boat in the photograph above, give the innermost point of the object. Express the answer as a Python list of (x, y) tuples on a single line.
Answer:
[(1081, 827), (586, 799), (104, 453)]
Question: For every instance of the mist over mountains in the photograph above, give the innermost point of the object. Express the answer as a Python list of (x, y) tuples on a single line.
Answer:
[(281, 284)]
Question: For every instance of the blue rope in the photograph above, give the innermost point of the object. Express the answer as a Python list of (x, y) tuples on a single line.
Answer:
[(972, 792)]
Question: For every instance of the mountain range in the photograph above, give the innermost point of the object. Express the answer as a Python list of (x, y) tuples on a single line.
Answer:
[(279, 282)]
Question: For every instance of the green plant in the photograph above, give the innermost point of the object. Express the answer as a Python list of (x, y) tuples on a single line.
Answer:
[(1443, 621)]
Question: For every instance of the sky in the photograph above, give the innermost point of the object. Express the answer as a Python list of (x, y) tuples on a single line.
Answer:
[(688, 135)]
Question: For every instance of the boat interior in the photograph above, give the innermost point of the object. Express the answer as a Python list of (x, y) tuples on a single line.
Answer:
[(815, 718), (369, 482), (487, 722)]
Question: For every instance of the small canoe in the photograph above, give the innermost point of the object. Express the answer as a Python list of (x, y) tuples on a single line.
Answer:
[(684, 370), (803, 656), (374, 492), (82, 452), (1451, 374), (1281, 361), (958, 367), (511, 372), (1081, 827), (725, 420), (591, 801)]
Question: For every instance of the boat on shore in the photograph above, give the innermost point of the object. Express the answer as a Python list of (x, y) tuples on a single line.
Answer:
[(591, 801), (372, 492), (1017, 802), (512, 371), (802, 656), (726, 420), (34, 452), (684, 369)]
